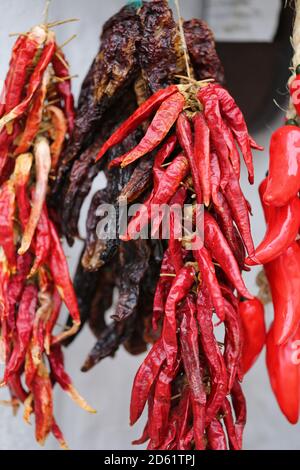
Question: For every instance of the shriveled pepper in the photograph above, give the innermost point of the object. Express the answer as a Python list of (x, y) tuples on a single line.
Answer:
[(62, 73), (208, 275), (284, 167), (43, 165), (58, 133), (254, 328), (7, 213), (164, 119), (194, 371), (179, 290), (26, 313), (62, 378), (21, 177), (137, 118), (219, 249), (144, 380), (202, 155), (60, 272), (186, 140), (34, 81)]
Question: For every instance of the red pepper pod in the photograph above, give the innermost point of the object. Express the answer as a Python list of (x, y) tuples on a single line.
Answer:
[(7, 214), (185, 138), (202, 155), (59, 374), (254, 328), (217, 245), (284, 373), (62, 71), (284, 168), (61, 276), (179, 290), (144, 380), (283, 225), (137, 118), (208, 275), (284, 279), (295, 92), (163, 121)]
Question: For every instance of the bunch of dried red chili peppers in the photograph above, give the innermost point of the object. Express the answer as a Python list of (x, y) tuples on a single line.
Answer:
[(188, 135), (35, 122)]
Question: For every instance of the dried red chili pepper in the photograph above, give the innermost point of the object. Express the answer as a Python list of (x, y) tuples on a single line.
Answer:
[(208, 275), (34, 117), (7, 214), (144, 380), (216, 364), (16, 287), (59, 374), (190, 356), (229, 424), (137, 118), (42, 165), (202, 155), (283, 275), (233, 342), (164, 119), (62, 72), (43, 404), (34, 81), (185, 137), (60, 273), (180, 288), (283, 368), (58, 133), (23, 54), (24, 325), (4, 283), (219, 249), (239, 209), (42, 242), (175, 246), (21, 177), (284, 160), (240, 411), (161, 157), (216, 436), (254, 328), (168, 186)]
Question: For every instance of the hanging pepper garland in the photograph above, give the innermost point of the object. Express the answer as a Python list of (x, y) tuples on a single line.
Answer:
[(279, 250), (192, 132), (35, 121)]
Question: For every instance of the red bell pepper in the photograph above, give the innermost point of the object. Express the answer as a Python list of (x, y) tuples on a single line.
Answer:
[(253, 321)]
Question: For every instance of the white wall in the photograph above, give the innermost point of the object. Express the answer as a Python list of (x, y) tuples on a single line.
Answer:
[(107, 386)]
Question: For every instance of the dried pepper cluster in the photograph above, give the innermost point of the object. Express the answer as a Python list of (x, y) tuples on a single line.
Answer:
[(279, 252), (35, 122), (189, 136)]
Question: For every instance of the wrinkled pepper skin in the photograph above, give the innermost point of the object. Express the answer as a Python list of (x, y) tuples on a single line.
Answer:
[(254, 328), (284, 279), (284, 372), (284, 169)]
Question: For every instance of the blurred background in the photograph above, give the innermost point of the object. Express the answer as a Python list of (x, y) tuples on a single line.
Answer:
[(253, 42)]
